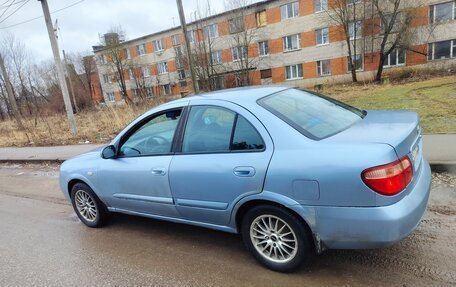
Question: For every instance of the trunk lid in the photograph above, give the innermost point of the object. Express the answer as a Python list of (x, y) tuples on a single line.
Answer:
[(399, 129)]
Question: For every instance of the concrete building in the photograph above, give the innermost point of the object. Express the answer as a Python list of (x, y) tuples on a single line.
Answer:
[(293, 42)]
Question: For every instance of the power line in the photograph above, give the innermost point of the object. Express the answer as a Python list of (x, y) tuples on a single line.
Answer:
[(7, 7), (3, 5), (39, 17), (17, 9)]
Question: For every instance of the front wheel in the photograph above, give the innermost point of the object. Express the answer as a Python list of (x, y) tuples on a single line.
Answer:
[(90, 210), (276, 238)]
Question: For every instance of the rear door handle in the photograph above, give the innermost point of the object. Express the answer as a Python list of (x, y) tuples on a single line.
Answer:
[(158, 171), (244, 171)]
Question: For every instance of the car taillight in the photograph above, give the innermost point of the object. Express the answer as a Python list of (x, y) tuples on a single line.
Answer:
[(389, 179)]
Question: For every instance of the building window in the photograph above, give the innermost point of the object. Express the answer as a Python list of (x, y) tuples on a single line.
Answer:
[(107, 79), (127, 53), (210, 31), (158, 45), (355, 30), (293, 72), (162, 67), (442, 12), (442, 50), (216, 57), (191, 36), (352, 2), (396, 26), (290, 10), (149, 92), (131, 75), (102, 59), (110, 97), (324, 68), (320, 5), (261, 19), (166, 89), (145, 71), (239, 53), (265, 74), (395, 58), (181, 74), (179, 56), (322, 36), (183, 84), (236, 25), (358, 61), (263, 48), (175, 39), (217, 82), (291, 43), (141, 49)]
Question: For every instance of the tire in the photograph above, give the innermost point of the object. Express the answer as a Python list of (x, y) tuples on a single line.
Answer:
[(88, 207), (285, 242)]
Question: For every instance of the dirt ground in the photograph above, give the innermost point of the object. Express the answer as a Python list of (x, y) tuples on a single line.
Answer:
[(43, 243)]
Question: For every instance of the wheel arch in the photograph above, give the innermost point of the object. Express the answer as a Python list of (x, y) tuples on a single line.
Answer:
[(245, 206)]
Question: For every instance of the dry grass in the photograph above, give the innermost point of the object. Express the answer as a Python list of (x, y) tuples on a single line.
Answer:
[(434, 99), (94, 126)]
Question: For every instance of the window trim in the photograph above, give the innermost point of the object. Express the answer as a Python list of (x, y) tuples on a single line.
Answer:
[(397, 57), (292, 50), (452, 46), (179, 145), (288, 16), (321, 10), (139, 124), (362, 64), (323, 75), (432, 12), (259, 49), (316, 37), (296, 78)]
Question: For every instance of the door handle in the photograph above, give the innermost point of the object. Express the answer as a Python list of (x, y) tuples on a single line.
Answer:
[(158, 171), (244, 171)]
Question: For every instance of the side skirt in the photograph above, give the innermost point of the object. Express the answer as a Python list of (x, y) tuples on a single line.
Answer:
[(176, 220)]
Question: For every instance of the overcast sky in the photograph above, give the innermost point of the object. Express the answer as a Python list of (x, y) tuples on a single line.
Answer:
[(80, 24)]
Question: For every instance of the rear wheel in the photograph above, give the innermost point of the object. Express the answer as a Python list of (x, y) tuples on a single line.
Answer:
[(276, 238), (90, 210)]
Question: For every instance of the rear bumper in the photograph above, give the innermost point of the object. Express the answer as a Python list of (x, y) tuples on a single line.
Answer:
[(374, 227)]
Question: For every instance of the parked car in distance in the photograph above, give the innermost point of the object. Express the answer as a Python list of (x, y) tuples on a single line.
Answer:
[(292, 171)]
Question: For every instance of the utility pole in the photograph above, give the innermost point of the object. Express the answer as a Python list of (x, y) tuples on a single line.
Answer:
[(70, 82), (187, 45), (12, 99), (58, 65)]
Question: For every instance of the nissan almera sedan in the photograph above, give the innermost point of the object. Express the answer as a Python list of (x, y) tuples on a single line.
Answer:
[(292, 171)]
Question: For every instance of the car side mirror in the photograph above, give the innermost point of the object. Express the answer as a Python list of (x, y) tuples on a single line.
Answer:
[(109, 152)]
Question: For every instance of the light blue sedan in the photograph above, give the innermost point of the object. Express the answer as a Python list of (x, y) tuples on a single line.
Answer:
[(292, 171)]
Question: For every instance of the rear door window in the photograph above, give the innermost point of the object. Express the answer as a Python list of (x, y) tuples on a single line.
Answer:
[(212, 129), (315, 116)]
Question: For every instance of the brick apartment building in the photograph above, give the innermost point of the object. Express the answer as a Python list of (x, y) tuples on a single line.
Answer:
[(283, 42)]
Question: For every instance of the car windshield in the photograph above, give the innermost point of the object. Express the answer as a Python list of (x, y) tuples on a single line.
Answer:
[(314, 115)]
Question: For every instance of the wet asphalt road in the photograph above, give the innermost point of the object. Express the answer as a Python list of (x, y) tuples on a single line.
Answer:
[(42, 243)]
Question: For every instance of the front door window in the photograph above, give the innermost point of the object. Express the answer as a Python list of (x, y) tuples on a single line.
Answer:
[(154, 136)]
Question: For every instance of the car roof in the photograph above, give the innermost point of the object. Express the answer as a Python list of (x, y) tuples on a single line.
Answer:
[(237, 95)]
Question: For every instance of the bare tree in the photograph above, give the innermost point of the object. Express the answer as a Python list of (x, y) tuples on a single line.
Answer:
[(117, 59), (396, 31), (348, 15), (203, 51), (244, 32)]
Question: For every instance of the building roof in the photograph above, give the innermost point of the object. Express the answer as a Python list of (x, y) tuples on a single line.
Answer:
[(99, 48)]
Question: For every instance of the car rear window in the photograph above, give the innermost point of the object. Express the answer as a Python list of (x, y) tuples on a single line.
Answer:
[(314, 115)]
